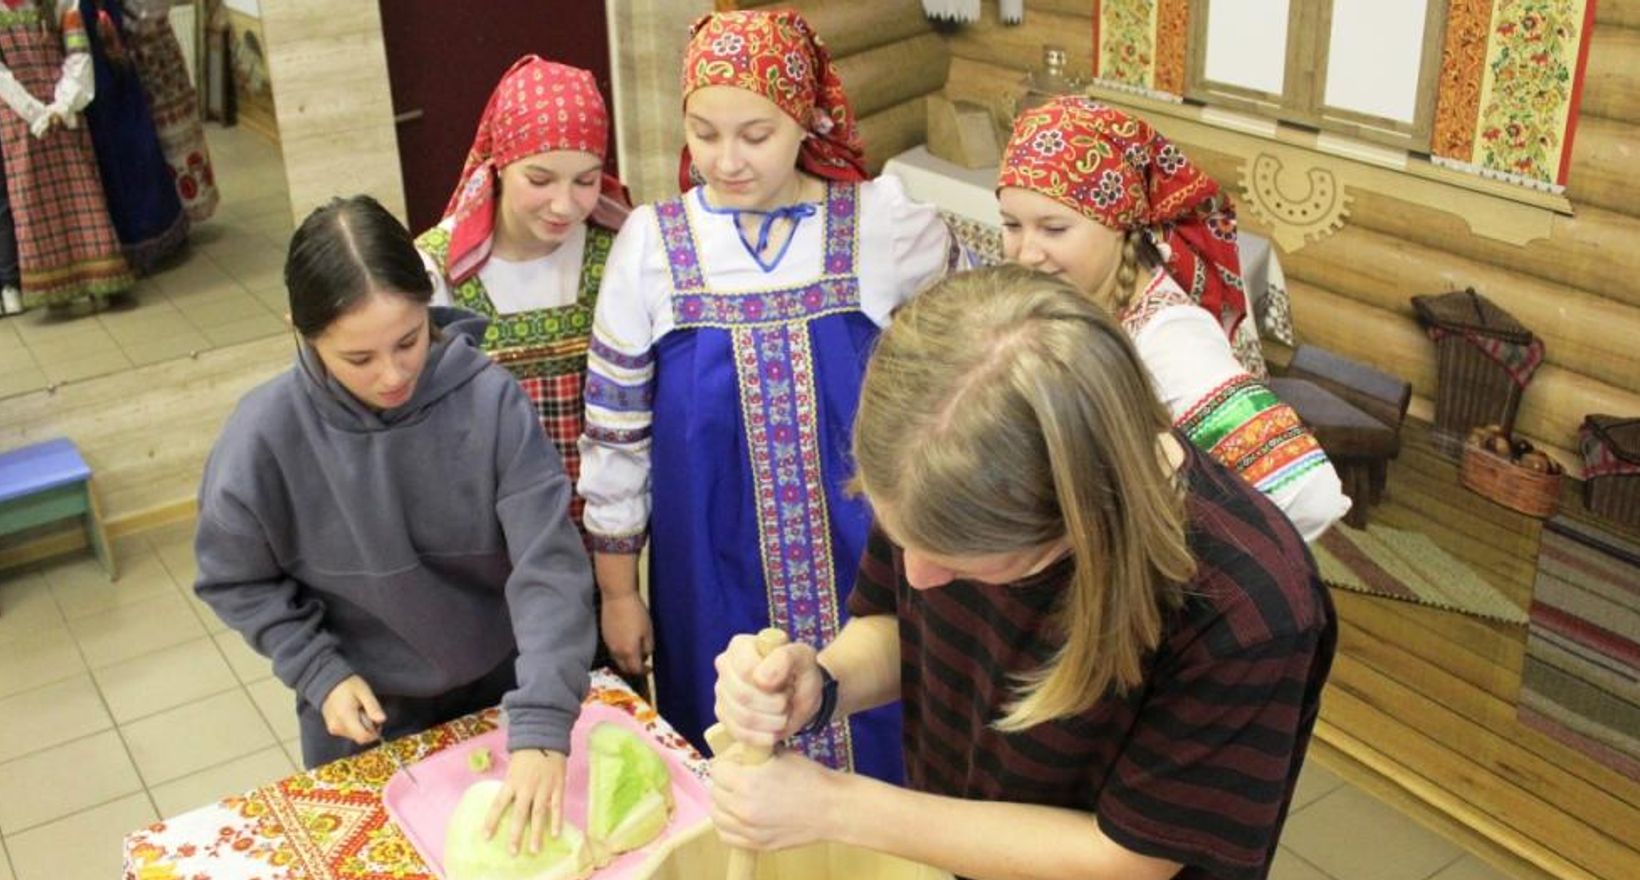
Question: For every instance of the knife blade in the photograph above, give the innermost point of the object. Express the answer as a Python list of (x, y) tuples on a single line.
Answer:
[(387, 747)]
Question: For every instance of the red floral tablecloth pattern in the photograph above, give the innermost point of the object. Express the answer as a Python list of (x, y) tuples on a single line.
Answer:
[(328, 823)]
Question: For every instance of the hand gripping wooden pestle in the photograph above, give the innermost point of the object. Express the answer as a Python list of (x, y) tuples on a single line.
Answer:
[(743, 862)]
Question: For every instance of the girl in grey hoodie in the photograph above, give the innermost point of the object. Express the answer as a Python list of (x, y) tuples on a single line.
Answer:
[(387, 523)]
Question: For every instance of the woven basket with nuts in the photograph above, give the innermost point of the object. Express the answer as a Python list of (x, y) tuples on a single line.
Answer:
[(1511, 472)]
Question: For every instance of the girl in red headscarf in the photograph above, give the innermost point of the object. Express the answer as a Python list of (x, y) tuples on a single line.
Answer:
[(731, 337), (1097, 196), (525, 236)]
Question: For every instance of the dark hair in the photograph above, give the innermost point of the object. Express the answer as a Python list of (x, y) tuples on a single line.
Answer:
[(341, 254)]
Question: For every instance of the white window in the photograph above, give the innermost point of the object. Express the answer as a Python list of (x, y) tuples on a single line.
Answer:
[(1366, 68)]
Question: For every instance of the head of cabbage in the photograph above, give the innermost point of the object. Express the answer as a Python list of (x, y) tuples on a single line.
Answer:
[(468, 856)]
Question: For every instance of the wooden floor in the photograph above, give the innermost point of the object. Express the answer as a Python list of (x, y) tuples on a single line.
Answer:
[(1421, 705)]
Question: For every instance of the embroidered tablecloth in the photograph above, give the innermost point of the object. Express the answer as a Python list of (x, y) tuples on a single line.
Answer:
[(328, 823)]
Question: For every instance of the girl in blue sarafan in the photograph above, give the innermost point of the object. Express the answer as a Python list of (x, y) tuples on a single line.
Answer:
[(388, 524), (731, 335)]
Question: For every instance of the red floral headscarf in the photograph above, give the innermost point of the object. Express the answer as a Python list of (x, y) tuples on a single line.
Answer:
[(777, 55), (538, 106), (1116, 169)]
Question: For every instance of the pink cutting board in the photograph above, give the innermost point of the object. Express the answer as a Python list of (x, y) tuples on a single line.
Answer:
[(422, 811)]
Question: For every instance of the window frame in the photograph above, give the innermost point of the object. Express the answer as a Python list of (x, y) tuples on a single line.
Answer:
[(1302, 101)]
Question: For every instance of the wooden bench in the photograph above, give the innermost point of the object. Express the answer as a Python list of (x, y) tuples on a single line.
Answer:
[(47, 482), (1355, 413)]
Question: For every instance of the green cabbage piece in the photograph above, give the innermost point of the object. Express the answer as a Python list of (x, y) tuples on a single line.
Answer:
[(629, 797), (468, 856)]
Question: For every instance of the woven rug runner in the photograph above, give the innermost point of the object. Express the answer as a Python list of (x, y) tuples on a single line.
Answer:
[(1581, 681), (1397, 564)]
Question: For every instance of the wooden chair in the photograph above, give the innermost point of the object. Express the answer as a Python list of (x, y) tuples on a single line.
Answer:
[(1355, 412), (47, 482)]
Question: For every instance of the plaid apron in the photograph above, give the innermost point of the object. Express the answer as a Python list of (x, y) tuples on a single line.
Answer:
[(66, 246), (545, 348)]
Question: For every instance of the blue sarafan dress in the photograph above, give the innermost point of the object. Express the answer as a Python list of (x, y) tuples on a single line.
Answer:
[(720, 401), (139, 183)]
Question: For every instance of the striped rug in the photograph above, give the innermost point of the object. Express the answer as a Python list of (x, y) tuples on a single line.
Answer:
[(1398, 564), (1581, 683)]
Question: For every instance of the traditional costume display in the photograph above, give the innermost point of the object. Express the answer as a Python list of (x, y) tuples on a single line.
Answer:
[(66, 244), (723, 383), (173, 102), (1117, 170), (142, 200), (540, 310)]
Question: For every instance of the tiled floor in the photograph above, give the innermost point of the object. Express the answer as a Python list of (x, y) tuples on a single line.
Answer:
[(226, 288), (126, 703)]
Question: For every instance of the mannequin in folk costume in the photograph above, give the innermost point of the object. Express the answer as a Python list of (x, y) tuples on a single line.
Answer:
[(524, 238), (1098, 196), (142, 200), (66, 245), (732, 333), (174, 103)]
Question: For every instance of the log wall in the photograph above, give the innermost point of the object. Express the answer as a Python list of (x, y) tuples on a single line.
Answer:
[(1574, 288), (1421, 704)]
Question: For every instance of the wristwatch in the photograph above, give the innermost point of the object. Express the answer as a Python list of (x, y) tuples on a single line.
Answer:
[(828, 704)]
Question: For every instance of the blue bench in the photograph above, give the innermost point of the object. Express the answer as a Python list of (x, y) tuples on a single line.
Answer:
[(47, 482)]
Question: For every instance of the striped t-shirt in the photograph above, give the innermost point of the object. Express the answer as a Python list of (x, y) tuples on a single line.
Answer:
[(1195, 766)]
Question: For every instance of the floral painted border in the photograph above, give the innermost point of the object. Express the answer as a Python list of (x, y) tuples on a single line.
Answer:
[(1126, 44), (1463, 61), (1172, 35), (1530, 81)]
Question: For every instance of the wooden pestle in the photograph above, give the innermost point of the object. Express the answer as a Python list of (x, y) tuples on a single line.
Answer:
[(743, 862)]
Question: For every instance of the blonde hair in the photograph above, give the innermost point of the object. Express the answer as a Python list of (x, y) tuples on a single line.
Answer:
[(1002, 411), (1139, 256)]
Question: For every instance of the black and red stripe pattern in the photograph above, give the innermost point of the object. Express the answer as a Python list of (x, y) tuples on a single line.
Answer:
[(1198, 765)]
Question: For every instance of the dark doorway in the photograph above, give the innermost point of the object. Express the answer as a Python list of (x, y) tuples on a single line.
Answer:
[(442, 61)]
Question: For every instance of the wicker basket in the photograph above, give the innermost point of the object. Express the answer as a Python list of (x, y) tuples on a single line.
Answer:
[(1519, 488), (1612, 444), (1472, 389)]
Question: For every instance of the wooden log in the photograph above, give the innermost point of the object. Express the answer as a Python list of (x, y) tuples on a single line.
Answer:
[(1603, 158), (1611, 85), (1081, 8), (1617, 13), (1554, 405), (1436, 704), (1593, 249), (894, 73), (1020, 46), (1444, 670), (1584, 333), (1472, 770), (1448, 640), (849, 26), (1397, 777), (1366, 767), (893, 131)]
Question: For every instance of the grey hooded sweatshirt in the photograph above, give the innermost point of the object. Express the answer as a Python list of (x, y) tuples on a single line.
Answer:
[(415, 546)]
